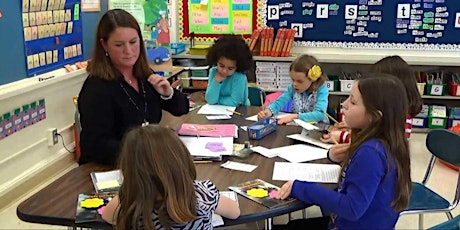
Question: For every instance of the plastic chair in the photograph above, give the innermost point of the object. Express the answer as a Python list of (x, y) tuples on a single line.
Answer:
[(445, 145), (255, 94), (452, 224)]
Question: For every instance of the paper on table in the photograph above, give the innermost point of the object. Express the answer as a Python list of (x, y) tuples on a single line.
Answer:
[(239, 166), (305, 125), (321, 173), (310, 140), (216, 109), (217, 219), (218, 117), (197, 145), (264, 151), (300, 153)]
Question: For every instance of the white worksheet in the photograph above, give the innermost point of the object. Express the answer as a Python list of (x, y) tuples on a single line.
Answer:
[(238, 166), (300, 153), (216, 109), (321, 173)]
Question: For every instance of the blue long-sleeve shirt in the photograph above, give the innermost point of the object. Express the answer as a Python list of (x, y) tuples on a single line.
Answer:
[(364, 195), (232, 91), (316, 115)]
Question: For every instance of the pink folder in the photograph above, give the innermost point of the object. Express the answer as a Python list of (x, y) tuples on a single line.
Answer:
[(209, 130)]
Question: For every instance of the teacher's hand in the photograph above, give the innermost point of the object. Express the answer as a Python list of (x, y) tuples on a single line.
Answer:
[(285, 190), (160, 84)]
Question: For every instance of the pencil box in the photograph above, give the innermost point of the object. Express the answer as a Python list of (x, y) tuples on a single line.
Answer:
[(262, 128)]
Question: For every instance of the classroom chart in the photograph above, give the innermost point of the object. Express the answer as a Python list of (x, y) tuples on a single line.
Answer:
[(428, 24), (220, 16), (53, 34), (208, 19)]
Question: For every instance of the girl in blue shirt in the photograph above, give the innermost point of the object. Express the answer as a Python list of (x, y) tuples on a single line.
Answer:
[(227, 83), (374, 183), (307, 91)]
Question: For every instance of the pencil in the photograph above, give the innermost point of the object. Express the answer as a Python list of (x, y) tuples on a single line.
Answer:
[(237, 113), (262, 101), (334, 140), (201, 162), (330, 117)]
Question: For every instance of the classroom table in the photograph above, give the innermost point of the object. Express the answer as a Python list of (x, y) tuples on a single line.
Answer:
[(56, 204)]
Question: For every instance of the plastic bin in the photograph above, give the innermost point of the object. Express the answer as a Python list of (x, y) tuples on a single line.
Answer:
[(436, 90), (199, 82), (437, 117), (199, 49), (177, 47), (421, 120), (453, 89), (421, 87), (262, 128), (333, 83), (345, 85)]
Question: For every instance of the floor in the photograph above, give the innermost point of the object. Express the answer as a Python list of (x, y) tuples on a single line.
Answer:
[(443, 180)]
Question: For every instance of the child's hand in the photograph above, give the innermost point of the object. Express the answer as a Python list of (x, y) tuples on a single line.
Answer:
[(285, 190), (263, 114), (338, 152), (218, 78), (341, 125), (286, 119), (331, 136)]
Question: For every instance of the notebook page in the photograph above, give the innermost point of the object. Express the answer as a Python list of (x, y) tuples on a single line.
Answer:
[(321, 173)]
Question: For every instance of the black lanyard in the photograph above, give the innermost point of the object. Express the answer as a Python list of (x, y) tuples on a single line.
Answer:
[(145, 122)]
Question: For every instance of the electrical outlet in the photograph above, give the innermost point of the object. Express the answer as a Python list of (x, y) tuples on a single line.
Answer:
[(52, 137)]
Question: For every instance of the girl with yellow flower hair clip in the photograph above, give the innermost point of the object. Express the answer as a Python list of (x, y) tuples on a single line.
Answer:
[(307, 91)]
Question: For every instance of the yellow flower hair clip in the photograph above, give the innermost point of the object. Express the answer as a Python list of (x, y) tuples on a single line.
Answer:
[(314, 73)]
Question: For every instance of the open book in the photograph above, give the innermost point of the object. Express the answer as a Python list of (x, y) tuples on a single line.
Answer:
[(91, 206), (261, 192), (109, 181)]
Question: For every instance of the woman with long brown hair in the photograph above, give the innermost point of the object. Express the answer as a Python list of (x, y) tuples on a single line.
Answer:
[(121, 90)]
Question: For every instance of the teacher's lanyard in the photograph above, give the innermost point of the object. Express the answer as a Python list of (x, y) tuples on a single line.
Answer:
[(145, 122)]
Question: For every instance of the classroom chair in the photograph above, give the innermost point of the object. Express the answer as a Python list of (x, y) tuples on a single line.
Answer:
[(445, 145), (77, 130), (452, 224), (256, 94)]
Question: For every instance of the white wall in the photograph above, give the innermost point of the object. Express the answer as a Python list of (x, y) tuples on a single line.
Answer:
[(25, 157)]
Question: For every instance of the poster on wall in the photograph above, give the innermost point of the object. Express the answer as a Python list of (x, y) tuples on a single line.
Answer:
[(220, 16), (412, 24), (152, 16), (53, 34)]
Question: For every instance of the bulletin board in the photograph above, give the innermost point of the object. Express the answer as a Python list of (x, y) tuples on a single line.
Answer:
[(53, 34), (209, 19), (411, 24)]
